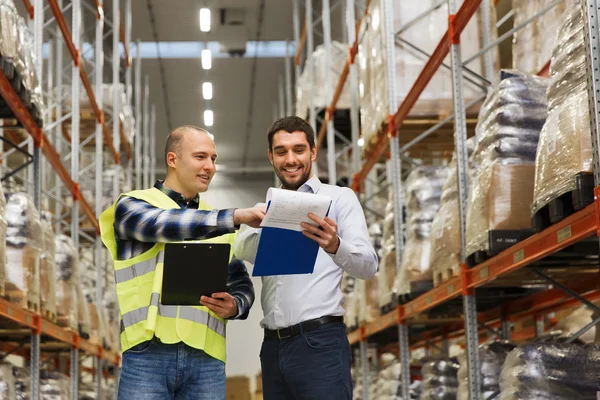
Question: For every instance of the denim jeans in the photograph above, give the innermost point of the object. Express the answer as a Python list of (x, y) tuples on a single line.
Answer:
[(314, 365), (153, 371)]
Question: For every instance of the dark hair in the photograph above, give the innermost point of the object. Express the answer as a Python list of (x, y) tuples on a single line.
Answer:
[(175, 137), (292, 124)]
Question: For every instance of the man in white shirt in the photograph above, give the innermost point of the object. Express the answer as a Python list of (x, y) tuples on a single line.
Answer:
[(305, 352)]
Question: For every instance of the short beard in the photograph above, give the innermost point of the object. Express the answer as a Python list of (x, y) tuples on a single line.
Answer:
[(296, 186)]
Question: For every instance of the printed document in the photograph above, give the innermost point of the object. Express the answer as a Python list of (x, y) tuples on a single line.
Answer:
[(288, 208)]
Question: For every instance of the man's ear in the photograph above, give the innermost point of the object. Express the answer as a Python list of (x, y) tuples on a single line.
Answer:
[(171, 158), (313, 154), (270, 154)]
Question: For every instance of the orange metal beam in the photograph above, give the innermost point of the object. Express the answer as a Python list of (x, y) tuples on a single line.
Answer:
[(125, 47), (545, 71), (301, 45), (578, 226), (461, 19), (29, 8)]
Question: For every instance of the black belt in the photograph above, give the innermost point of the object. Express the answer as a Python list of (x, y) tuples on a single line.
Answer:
[(295, 330)]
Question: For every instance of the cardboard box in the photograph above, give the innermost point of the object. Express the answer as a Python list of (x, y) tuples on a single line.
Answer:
[(258, 396), (238, 388)]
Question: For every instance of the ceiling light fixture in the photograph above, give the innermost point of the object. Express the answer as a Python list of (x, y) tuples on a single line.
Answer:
[(205, 20), (206, 59), (361, 142), (207, 91), (208, 118)]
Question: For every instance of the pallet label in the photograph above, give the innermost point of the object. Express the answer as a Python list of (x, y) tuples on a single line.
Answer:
[(450, 289), (484, 273), (429, 301), (519, 256), (564, 234)]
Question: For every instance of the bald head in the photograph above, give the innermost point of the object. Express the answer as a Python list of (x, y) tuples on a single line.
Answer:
[(176, 136)]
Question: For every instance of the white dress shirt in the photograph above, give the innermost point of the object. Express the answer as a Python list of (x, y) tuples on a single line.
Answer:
[(290, 299)]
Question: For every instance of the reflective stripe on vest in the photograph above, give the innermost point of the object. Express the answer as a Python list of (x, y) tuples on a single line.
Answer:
[(186, 312), (139, 269)]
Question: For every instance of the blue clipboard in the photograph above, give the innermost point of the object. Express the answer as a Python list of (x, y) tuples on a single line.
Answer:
[(285, 252)]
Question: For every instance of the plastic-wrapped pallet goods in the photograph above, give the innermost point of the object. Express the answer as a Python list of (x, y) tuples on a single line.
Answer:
[(507, 132), (23, 248), (22, 381), (7, 382), (440, 380), (445, 237), (389, 380), (368, 300), (48, 267), (426, 33), (491, 359), (88, 287), (54, 385), (313, 88), (111, 306), (423, 194), (387, 262), (557, 371), (532, 45), (66, 282), (565, 149)]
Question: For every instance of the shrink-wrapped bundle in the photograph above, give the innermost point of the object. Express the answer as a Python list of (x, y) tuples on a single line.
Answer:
[(66, 282), (440, 380), (48, 266)]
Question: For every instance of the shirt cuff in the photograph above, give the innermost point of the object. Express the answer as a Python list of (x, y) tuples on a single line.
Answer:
[(240, 304), (342, 256), (226, 221)]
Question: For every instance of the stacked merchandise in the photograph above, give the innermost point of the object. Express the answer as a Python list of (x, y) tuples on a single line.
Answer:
[(565, 148), (9, 37), (54, 385), (551, 370), (23, 248), (66, 282), (368, 299), (48, 267), (25, 65), (87, 391), (491, 359), (440, 380), (507, 135), (88, 285), (3, 228), (426, 33), (313, 88), (389, 380), (423, 194), (350, 302), (532, 45), (357, 375), (22, 381), (7, 382), (445, 236), (110, 305)]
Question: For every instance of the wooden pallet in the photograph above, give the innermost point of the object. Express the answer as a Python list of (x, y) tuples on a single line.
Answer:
[(64, 321), (48, 315), (22, 299)]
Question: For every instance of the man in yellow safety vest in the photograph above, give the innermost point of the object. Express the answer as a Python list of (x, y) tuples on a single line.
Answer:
[(174, 352)]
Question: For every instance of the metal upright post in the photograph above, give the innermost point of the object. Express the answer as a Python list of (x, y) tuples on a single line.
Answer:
[(116, 60), (396, 175), (296, 22), (99, 60), (364, 362), (460, 139), (128, 82), (281, 95), (57, 130), (486, 35), (591, 12), (310, 48), (138, 118), (152, 145), (146, 151), (36, 183), (75, 84), (328, 89), (354, 93), (288, 79)]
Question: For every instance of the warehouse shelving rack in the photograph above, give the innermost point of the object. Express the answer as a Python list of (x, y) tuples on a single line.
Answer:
[(393, 327), (58, 146)]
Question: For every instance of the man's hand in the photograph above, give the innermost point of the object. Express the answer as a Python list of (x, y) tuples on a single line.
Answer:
[(326, 236), (223, 304), (250, 216)]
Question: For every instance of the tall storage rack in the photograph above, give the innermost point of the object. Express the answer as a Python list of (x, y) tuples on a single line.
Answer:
[(53, 147), (394, 328)]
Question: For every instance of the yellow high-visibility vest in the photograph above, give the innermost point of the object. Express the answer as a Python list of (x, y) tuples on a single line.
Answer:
[(139, 286)]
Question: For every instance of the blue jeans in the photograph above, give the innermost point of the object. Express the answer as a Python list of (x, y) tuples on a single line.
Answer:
[(156, 371), (313, 365)]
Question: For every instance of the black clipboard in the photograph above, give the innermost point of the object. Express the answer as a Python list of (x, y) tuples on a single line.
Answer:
[(192, 270)]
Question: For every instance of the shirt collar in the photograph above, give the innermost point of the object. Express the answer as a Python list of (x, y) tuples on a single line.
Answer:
[(311, 185), (176, 196)]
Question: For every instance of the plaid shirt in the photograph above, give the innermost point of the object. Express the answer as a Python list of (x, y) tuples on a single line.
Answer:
[(139, 225)]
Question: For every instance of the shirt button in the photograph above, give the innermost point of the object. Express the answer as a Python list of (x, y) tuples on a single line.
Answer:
[(279, 283), (276, 308)]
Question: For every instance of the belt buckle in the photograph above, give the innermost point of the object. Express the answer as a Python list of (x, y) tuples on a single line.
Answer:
[(282, 337)]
